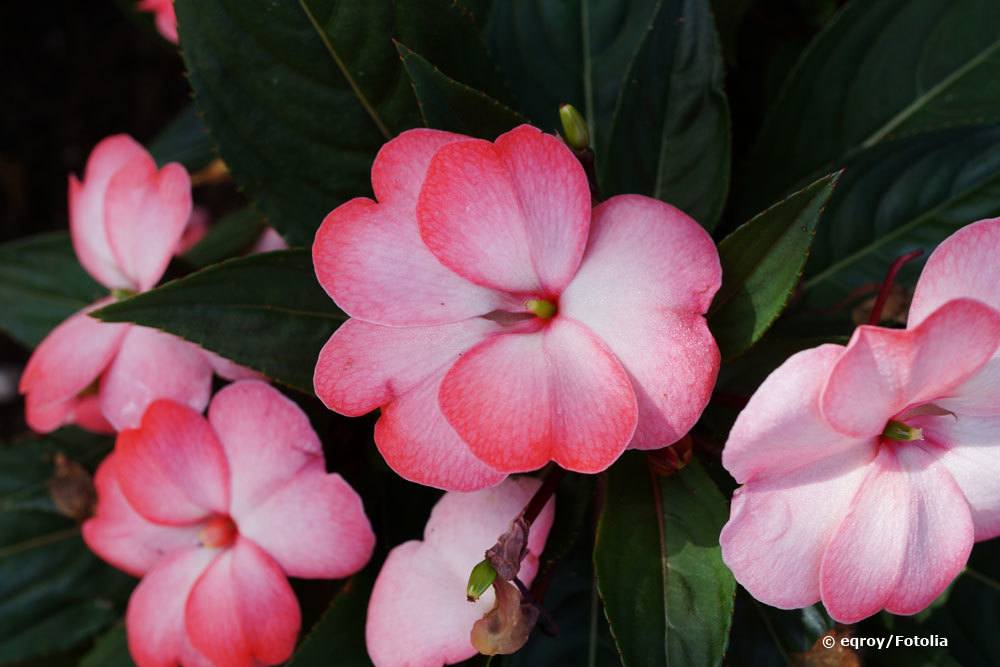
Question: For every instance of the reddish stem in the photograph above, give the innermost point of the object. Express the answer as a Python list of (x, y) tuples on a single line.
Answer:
[(542, 495), (890, 277)]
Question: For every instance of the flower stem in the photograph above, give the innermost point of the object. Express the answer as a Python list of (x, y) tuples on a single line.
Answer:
[(890, 277)]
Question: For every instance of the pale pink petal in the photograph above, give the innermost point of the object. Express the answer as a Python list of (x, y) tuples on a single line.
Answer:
[(87, 208), (87, 415), (513, 216), (172, 468), (781, 428), (906, 537), (647, 277), (242, 612), (145, 214), (521, 400), (964, 266), (401, 165), (314, 526), (780, 525), (371, 260), (166, 19), (122, 536), (972, 455), (152, 365), (364, 366), (267, 440), (269, 241), (230, 370), (194, 230), (885, 370), (155, 617), (67, 361), (979, 395)]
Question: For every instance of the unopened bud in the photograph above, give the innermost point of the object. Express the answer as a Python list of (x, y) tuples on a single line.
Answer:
[(506, 627), (72, 489), (574, 128), (482, 578)]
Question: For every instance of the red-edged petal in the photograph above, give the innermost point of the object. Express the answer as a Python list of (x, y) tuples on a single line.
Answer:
[(787, 519), (155, 617), (172, 468), (151, 365), (87, 208), (521, 400), (371, 260), (647, 277), (512, 215), (122, 536), (67, 361), (242, 612), (907, 535), (314, 526), (401, 165), (145, 213), (267, 440), (885, 370), (964, 266)]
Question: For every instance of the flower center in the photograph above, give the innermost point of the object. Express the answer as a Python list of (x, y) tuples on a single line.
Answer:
[(219, 532), (902, 432), (542, 308)]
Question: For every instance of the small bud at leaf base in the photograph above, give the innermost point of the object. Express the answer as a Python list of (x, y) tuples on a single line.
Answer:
[(506, 627), (482, 578), (72, 489), (574, 128)]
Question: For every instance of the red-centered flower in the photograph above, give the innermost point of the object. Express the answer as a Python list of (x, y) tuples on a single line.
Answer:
[(418, 615), (126, 218), (164, 17), (500, 323), (214, 515), (869, 471)]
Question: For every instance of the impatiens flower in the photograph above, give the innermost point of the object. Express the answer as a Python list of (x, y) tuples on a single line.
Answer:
[(214, 515), (869, 470), (126, 219), (500, 323), (165, 17), (418, 615)]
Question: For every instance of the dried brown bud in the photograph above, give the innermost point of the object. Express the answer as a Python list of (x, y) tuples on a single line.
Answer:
[(72, 489), (665, 462), (506, 555), (506, 627)]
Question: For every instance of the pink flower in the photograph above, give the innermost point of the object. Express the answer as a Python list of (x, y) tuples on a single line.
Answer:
[(868, 471), (418, 615), (126, 219), (166, 19), (499, 323), (269, 241), (214, 515)]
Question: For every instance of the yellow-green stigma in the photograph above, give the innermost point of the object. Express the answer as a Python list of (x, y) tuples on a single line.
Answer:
[(541, 308), (901, 432)]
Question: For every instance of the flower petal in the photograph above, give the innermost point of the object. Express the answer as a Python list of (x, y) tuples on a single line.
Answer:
[(648, 275), (122, 536), (520, 400), (230, 370), (67, 361), (314, 526), (145, 214), (242, 612), (155, 617), (964, 266), (87, 205), (907, 535), (513, 215), (780, 525), (885, 370), (401, 165), (152, 365), (172, 468)]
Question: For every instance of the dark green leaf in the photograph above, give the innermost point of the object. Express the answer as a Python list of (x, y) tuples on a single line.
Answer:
[(230, 236), (41, 284), (339, 637), (110, 650), (670, 135), (880, 70), (265, 311), (761, 265), (184, 140), (763, 635), (666, 591), (446, 104), (299, 96)]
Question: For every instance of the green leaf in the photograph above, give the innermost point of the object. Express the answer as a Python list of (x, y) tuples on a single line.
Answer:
[(110, 650), (762, 262), (184, 140), (898, 197), (670, 135), (265, 311), (41, 284), (446, 104), (880, 70), (568, 51), (667, 594), (299, 96), (339, 636), (230, 236), (56, 594)]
